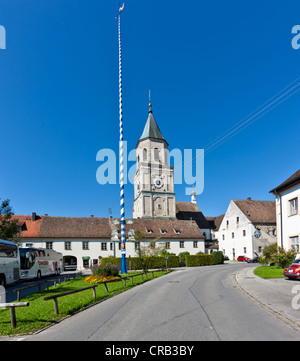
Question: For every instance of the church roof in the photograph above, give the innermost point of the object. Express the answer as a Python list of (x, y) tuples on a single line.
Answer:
[(215, 222), (151, 129), (188, 210)]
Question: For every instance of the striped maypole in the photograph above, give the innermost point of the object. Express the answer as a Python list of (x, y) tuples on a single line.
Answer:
[(121, 155)]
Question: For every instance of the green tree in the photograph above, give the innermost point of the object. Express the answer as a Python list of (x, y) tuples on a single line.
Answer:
[(146, 252), (274, 255), (284, 258), (268, 253), (9, 229)]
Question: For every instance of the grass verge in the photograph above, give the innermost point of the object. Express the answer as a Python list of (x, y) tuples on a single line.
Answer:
[(40, 313), (269, 272)]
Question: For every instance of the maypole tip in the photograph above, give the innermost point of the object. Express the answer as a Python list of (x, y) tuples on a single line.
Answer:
[(121, 8)]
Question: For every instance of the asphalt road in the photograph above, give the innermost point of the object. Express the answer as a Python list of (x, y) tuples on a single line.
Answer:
[(192, 304)]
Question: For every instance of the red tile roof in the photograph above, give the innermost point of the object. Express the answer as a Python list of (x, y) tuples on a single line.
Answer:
[(258, 211), (96, 227)]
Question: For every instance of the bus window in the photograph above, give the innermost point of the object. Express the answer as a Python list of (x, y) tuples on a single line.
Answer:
[(41, 253), (8, 251), (27, 258)]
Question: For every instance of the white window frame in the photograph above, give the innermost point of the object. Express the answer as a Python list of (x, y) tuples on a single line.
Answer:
[(293, 206), (294, 242), (85, 245)]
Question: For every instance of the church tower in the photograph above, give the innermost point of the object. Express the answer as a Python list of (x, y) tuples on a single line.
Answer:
[(154, 195)]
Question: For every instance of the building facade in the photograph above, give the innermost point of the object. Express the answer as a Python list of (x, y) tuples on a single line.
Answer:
[(287, 212), (246, 228)]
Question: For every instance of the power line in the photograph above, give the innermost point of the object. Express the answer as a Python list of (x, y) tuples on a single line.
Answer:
[(238, 126)]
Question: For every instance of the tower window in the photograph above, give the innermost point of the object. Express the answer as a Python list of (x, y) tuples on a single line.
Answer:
[(144, 154), (156, 154)]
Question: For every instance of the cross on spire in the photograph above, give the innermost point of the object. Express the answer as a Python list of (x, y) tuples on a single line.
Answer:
[(150, 104)]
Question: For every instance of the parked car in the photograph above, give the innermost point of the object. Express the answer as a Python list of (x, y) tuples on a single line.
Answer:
[(253, 260), (242, 258), (293, 271)]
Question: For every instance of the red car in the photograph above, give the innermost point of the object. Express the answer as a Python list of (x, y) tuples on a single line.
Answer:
[(243, 258), (293, 271)]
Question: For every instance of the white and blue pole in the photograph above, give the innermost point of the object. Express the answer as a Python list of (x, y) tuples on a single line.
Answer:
[(121, 155)]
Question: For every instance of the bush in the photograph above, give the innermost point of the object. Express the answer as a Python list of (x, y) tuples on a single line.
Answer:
[(204, 259), (182, 258), (106, 270), (136, 263), (268, 253), (284, 258), (218, 257), (274, 255)]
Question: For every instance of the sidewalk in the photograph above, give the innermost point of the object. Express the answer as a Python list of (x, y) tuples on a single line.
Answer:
[(273, 294)]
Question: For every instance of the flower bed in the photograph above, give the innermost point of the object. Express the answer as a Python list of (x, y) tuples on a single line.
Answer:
[(94, 279), (103, 272)]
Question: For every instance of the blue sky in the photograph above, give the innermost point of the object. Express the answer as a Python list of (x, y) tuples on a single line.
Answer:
[(208, 65)]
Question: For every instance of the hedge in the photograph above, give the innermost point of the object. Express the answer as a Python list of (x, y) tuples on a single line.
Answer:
[(135, 263), (204, 259)]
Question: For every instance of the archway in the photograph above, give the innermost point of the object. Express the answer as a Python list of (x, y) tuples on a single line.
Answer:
[(70, 263)]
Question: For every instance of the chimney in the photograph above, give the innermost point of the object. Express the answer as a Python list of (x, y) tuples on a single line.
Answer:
[(249, 199), (193, 197), (33, 216), (92, 216)]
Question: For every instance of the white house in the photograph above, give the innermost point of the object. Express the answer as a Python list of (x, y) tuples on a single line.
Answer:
[(247, 227), (84, 240), (287, 212)]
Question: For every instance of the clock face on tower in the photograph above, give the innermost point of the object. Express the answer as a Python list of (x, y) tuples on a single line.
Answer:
[(158, 182)]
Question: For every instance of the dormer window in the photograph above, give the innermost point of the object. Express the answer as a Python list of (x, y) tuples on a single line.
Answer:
[(177, 231), (148, 230), (163, 231)]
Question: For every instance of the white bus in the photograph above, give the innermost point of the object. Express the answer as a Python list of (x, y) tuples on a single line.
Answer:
[(9, 262), (38, 262)]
